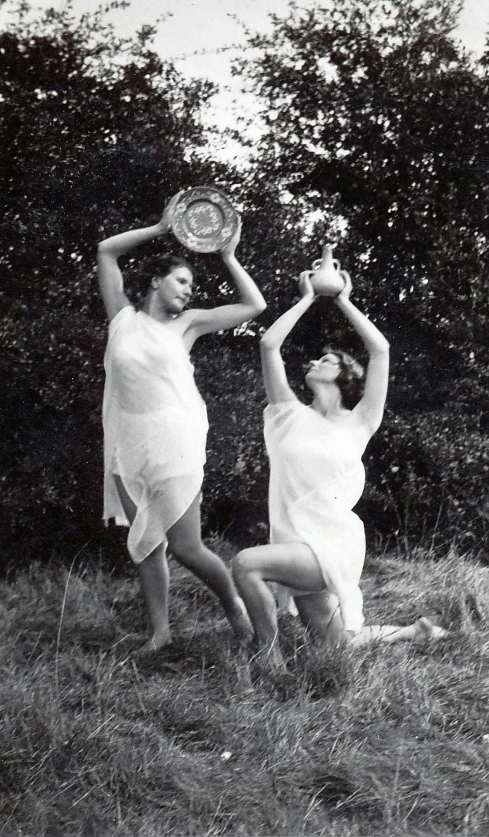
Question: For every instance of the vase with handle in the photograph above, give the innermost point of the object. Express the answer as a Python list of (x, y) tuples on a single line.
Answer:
[(325, 276)]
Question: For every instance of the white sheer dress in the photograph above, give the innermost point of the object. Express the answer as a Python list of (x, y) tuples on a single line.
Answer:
[(316, 477), (155, 428)]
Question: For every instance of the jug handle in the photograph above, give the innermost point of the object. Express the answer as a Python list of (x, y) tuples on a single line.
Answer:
[(318, 262)]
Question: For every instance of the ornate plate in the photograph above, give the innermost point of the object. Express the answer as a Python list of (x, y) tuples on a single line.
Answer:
[(204, 220)]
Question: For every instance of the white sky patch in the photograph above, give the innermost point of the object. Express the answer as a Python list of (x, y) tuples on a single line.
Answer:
[(203, 37), (206, 26)]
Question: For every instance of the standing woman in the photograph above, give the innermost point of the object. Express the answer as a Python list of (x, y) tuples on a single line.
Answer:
[(317, 546), (155, 421)]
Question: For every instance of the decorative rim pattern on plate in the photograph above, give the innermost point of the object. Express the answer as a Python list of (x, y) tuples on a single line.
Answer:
[(204, 220)]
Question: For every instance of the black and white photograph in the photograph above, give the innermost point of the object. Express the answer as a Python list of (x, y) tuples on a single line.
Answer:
[(244, 418)]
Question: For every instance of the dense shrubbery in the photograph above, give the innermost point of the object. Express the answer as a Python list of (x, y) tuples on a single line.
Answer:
[(392, 138), (91, 144), (431, 470)]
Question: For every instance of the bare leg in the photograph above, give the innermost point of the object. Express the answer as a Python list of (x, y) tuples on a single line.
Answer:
[(285, 602), (184, 541), (154, 579), (261, 606), (293, 565), (420, 631), (320, 613)]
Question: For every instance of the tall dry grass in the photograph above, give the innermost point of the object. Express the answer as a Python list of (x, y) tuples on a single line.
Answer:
[(384, 741)]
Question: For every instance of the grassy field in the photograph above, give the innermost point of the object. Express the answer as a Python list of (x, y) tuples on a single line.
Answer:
[(384, 741)]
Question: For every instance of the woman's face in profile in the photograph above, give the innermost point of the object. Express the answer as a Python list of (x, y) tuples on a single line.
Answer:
[(326, 369)]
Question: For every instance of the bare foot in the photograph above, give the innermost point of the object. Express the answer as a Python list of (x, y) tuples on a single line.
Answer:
[(240, 622), (425, 630), (154, 643)]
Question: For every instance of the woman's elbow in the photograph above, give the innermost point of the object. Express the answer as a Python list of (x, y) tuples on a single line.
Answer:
[(382, 347), (254, 309), (105, 252), (106, 247), (256, 303), (267, 344)]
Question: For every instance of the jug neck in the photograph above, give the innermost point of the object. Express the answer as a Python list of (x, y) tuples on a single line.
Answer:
[(327, 256)]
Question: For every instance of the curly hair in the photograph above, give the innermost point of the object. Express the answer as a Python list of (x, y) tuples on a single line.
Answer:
[(351, 379), (163, 264)]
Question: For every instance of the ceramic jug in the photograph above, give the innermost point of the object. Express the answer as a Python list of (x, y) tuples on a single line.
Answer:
[(325, 278)]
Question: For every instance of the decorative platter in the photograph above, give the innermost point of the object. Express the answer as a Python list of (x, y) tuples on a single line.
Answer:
[(204, 219)]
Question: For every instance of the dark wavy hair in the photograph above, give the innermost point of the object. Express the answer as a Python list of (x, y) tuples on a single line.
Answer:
[(163, 264), (351, 380)]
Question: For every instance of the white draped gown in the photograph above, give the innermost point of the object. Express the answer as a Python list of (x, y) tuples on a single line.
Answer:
[(155, 428), (316, 477)]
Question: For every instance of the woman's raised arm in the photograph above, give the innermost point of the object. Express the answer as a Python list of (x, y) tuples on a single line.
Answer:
[(371, 406), (273, 369), (109, 274), (251, 301)]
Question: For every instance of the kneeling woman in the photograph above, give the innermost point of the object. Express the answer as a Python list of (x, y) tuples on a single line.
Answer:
[(317, 546)]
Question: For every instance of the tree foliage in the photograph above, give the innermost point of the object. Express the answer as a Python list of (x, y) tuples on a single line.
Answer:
[(375, 123), (375, 115), (96, 133)]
